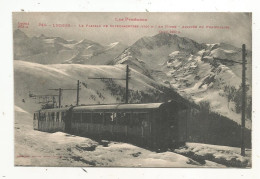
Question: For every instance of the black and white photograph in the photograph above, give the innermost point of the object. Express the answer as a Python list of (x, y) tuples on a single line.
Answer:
[(107, 89)]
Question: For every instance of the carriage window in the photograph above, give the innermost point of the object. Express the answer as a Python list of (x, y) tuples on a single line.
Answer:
[(139, 118), (127, 118), (76, 117), (48, 116), (63, 116), (143, 116), (119, 118), (42, 116), (97, 118), (86, 117), (52, 116), (109, 118), (135, 120), (123, 118), (57, 116)]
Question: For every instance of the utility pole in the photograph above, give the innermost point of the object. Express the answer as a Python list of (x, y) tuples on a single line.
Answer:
[(60, 97), (44, 99), (53, 101), (126, 81), (126, 84), (78, 88), (60, 93), (243, 100)]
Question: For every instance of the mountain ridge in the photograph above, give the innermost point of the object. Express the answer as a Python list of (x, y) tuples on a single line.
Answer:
[(56, 50), (199, 72)]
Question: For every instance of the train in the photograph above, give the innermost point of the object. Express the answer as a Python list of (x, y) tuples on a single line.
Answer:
[(153, 125)]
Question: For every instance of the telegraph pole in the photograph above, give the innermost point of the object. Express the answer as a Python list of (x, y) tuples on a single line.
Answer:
[(126, 84), (53, 101), (45, 98), (59, 97), (243, 99), (126, 81), (78, 86), (60, 93)]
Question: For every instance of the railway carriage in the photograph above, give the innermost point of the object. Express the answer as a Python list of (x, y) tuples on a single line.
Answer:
[(51, 120), (156, 125)]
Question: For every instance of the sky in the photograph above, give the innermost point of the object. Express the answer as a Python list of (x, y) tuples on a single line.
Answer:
[(239, 32)]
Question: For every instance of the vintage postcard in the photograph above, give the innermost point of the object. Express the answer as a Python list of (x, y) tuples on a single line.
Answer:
[(132, 89)]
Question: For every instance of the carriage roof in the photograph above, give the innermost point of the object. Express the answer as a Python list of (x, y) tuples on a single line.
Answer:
[(118, 107), (55, 109), (110, 107)]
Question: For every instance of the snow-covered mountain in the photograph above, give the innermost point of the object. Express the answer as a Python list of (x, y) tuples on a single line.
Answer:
[(197, 71), (56, 50), (200, 72), (92, 53), (38, 78), (154, 51)]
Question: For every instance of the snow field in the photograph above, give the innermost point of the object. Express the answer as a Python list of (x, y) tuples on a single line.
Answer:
[(36, 148)]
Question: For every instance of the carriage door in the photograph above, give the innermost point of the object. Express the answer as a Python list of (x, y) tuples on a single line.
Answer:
[(172, 127), (173, 124), (67, 120), (36, 121), (145, 124), (182, 125)]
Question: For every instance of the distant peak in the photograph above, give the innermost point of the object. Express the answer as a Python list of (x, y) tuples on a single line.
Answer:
[(19, 34), (18, 30), (114, 43), (42, 36), (86, 41), (165, 35), (111, 45)]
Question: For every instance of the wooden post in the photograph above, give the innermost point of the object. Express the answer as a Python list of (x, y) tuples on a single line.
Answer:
[(53, 101), (243, 100), (126, 84), (59, 97), (77, 103)]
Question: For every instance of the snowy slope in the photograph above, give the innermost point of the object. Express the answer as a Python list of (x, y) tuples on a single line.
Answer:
[(198, 72), (230, 156), (38, 78), (154, 51), (55, 50), (42, 49), (36, 148), (95, 54), (203, 77)]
